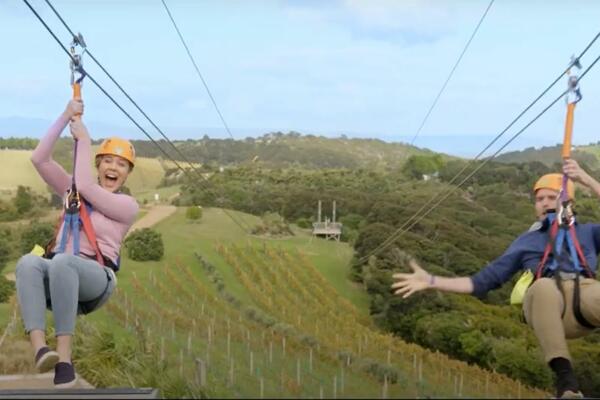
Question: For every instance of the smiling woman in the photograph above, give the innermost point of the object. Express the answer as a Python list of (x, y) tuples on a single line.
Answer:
[(77, 274)]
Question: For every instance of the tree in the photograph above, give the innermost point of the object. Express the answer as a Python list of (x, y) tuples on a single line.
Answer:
[(145, 245), (416, 166)]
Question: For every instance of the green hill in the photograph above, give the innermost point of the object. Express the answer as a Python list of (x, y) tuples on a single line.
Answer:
[(551, 155), (291, 149)]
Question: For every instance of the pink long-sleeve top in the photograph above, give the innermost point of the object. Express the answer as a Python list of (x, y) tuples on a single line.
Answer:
[(113, 213)]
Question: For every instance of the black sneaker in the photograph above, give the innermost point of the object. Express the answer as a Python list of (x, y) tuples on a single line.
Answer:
[(45, 359), (64, 375), (567, 386)]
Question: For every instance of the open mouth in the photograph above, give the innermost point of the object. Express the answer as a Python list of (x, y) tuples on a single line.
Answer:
[(111, 178)]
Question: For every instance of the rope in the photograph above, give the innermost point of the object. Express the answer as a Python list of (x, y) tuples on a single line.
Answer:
[(451, 73)]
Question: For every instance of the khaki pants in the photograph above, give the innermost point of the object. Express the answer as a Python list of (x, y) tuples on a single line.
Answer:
[(551, 315)]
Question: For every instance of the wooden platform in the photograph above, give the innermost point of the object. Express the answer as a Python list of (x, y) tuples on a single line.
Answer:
[(115, 393), (41, 386), (35, 381)]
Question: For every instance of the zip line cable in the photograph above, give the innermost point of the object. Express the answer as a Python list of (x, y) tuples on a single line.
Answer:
[(491, 157), (123, 90), (400, 231), (451, 73), (197, 69), (88, 52), (488, 146), (131, 100), (124, 111)]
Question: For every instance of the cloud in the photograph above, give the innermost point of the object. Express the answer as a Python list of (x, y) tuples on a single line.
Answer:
[(406, 21), (195, 104)]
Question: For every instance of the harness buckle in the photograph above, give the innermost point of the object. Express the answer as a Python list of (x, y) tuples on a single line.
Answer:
[(564, 210), (72, 202)]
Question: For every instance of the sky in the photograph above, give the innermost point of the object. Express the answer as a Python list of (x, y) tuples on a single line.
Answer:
[(354, 67)]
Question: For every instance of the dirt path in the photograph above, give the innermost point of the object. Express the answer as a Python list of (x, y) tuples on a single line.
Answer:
[(154, 216)]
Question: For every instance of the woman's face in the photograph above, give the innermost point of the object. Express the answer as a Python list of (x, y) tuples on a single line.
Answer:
[(112, 172)]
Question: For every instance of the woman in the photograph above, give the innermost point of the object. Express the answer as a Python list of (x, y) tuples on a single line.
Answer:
[(548, 296), (73, 284)]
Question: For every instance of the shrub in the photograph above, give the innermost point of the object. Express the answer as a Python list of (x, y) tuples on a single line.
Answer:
[(193, 213), (145, 245), (36, 233), (304, 223), (7, 288)]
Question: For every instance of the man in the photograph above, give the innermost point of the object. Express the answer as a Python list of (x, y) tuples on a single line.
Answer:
[(548, 304)]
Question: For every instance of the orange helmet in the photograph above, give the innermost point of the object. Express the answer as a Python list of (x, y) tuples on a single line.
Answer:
[(117, 147), (554, 182)]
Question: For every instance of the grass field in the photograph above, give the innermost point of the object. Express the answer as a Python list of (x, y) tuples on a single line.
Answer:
[(18, 170)]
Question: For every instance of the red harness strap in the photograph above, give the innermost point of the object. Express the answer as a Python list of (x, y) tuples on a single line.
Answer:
[(89, 232)]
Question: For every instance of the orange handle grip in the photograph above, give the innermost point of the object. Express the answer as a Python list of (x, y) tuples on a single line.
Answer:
[(76, 91), (566, 149), (77, 94)]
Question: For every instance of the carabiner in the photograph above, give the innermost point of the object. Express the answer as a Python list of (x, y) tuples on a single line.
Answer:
[(72, 201), (76, 64), (573, 92)]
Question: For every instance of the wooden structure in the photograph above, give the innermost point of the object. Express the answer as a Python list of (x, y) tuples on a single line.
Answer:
[(328, 229)]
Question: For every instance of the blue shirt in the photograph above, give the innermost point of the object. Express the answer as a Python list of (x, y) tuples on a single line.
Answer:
[(527, 251)]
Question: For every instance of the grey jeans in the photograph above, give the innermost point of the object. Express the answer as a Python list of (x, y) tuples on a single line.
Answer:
[(62, 284)]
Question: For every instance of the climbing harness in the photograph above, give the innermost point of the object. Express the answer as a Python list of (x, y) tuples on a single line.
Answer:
[(562, 237), (76, 213)]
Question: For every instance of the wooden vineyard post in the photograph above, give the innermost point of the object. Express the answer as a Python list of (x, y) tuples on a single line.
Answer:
[(298, 372), (283, 345), (384, 390), (262, 387), (181, 362), (228, 345), (334, 387), (200, 372)]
